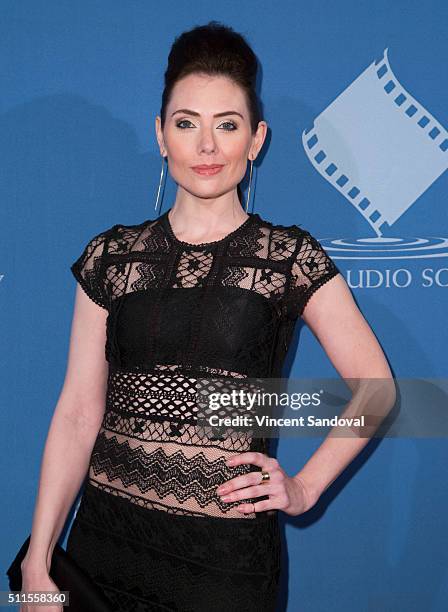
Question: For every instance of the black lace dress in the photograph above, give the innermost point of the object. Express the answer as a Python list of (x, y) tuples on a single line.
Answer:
[(150, 528)]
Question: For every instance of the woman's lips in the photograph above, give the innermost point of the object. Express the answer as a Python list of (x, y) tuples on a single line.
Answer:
[(207, 170)]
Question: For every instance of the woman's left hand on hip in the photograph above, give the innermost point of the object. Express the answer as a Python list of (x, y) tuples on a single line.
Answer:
[(286, 493)]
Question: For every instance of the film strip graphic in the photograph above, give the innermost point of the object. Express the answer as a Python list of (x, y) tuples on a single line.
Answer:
[(378, 146)]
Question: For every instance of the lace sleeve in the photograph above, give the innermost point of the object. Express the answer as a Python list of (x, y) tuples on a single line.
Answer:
[(87, 270), (311, 269)]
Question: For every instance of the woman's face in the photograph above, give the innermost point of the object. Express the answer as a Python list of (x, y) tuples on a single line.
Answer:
[(195, 135)]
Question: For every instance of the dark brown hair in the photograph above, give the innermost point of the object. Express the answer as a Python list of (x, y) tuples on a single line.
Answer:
[(216, 50)]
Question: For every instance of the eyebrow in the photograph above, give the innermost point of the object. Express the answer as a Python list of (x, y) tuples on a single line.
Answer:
[(187, 111)]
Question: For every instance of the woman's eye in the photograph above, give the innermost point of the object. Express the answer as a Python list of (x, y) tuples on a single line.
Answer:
[(227, 129), (230, 123), (179, 123)]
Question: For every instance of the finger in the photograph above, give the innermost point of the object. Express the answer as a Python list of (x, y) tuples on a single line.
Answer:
[(260, 506), (245, 480), (276, 475), (265, 462), (248, 457), (265, 504), (253, 491)]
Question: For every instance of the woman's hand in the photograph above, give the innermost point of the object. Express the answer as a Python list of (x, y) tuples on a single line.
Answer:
[(31, 582), (286, 493)]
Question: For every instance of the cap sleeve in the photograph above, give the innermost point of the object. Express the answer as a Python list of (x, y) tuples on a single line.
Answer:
[(87, 269), (312, 268)]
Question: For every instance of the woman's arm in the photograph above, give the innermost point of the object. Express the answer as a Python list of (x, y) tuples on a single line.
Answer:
[(74, 426), (339, 326)]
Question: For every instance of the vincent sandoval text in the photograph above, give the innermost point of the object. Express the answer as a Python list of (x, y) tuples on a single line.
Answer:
[(265, 421)]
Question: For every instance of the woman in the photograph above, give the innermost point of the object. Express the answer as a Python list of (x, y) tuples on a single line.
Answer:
[(171, 519)]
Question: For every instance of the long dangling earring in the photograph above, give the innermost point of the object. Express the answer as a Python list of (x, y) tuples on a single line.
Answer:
[(160, 183), (250, 181)]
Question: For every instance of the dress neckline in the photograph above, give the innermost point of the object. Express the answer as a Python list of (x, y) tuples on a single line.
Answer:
[(167, 225)]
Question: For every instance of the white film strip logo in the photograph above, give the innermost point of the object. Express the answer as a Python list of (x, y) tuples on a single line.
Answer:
[(381, 149)]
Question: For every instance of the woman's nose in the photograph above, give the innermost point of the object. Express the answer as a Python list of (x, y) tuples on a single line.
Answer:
[(207, 141)]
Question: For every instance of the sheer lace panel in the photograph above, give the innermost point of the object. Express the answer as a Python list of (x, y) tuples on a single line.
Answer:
[(312, 268), (87, 269), (193, 269)]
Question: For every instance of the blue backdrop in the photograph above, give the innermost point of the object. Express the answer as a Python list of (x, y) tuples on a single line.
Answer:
[(355, 95)]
